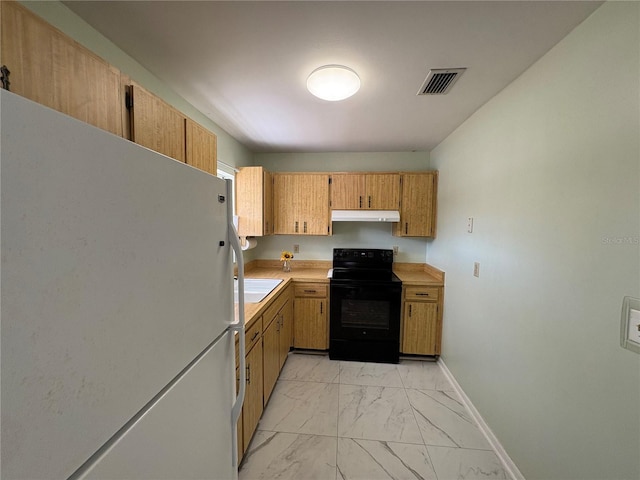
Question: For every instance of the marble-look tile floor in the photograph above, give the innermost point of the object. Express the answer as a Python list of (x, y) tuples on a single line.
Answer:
[(334, 420)]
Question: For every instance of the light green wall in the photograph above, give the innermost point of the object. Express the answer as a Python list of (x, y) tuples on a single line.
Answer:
[(230, 151), (550, 171), (364, 235)]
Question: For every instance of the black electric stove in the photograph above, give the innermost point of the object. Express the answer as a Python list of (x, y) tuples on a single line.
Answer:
[(365, 306)]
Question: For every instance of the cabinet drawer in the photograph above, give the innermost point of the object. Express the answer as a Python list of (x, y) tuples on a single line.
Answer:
[(425, 294), (253, 334), (273, 309), (315, 290)]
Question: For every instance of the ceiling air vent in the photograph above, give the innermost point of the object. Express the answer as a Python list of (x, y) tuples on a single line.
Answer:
[(440, 81)]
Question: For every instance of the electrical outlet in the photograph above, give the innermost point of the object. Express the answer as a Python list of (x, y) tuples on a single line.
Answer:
[(395, 250), (296, 248), (476, 269)]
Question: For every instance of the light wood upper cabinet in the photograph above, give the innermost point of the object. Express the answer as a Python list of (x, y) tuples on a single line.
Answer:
[(418, 205), (52, 69), (347, 191), (156, 125), (365, 191), (383, 191), (201, 147), (301, 204), (254, 202)]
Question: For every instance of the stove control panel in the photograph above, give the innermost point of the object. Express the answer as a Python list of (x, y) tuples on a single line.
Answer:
[(364, 257)]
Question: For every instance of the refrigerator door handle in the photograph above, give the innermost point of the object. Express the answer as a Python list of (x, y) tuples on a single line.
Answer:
[(238, 327)]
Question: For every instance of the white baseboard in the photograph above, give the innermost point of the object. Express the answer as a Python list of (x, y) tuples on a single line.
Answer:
[(508, 464)]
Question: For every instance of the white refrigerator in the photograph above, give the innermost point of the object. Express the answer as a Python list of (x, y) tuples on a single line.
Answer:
[(116, 307)]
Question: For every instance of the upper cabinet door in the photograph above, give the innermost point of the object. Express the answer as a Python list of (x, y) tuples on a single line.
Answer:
[(201, 147), (157, 125), (365, 191), (285, 204), (50, 68), (301, 204), (418, 212), (314, 192), (347, 191), (267, 207), (254, 202), (383, 191)]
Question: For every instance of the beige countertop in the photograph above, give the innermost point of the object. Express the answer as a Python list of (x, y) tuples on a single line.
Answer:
[(316, 271)]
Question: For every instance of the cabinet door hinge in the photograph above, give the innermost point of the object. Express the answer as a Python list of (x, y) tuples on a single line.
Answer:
[(4, 77)]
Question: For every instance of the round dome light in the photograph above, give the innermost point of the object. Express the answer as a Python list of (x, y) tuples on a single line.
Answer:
[(333, 82)]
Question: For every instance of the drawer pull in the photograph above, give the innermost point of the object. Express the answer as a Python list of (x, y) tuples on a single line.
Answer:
[(310, 291), (321, 307), (422, 294)]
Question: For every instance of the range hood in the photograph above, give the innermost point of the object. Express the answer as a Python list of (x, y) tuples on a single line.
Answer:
[(365, 216)]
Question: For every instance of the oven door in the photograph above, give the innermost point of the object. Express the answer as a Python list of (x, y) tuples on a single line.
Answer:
[(365, 310)]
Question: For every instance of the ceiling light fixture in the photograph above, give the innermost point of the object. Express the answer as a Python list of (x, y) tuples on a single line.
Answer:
[(333, 82)]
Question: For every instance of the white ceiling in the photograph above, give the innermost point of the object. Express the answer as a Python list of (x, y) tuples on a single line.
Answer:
[(245, 64)]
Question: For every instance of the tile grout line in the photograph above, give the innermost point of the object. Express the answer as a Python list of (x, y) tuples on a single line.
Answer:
[(413, 412)]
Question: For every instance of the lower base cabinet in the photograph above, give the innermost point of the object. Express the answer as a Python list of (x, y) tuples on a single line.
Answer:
[(286, 330), (276, 340), (421, 320), (253, 407), (311, 316)]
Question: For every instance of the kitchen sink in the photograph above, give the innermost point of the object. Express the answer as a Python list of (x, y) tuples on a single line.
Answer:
[(255, 289)]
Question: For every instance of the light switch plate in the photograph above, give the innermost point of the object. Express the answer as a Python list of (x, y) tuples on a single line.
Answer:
[(630, 324)]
